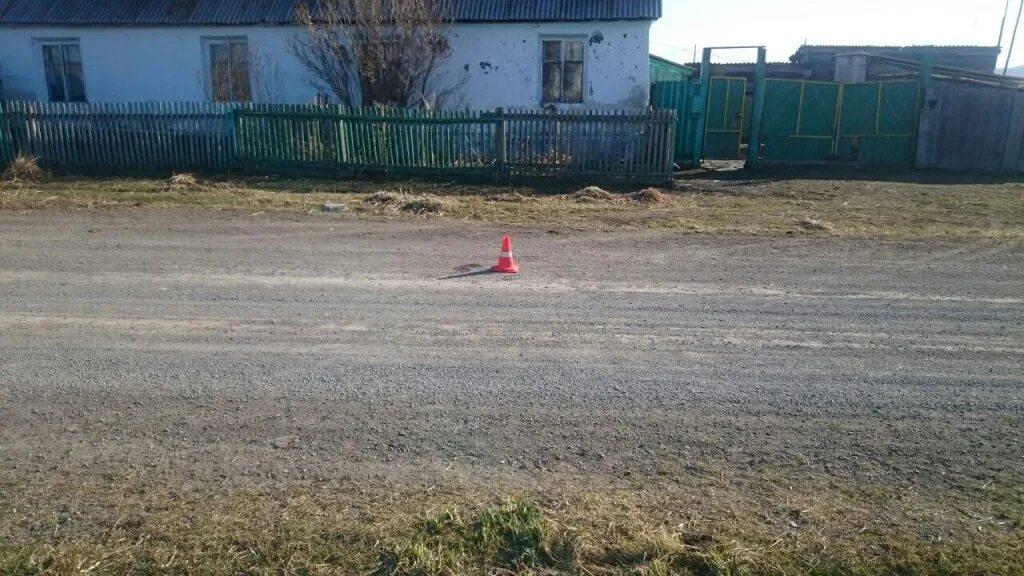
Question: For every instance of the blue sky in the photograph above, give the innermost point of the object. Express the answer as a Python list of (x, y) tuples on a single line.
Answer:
[(783, 25)]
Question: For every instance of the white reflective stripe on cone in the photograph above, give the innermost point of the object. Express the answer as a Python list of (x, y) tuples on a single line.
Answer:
[(505, 255)]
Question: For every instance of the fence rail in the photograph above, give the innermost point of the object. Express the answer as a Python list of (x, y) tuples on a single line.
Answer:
[(202, 136)]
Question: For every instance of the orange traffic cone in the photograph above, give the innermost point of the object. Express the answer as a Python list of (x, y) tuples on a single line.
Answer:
[(506, 264)]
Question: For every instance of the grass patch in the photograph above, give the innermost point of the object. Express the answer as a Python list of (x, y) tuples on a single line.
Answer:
[(126, 526), (853, 208), (512, 536)]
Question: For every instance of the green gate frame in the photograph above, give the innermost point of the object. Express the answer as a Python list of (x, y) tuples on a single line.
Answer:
[(701, 99)]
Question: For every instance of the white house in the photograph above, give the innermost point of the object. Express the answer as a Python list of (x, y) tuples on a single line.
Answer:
[(509, 53)]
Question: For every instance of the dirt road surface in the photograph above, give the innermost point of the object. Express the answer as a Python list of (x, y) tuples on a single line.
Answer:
[(240, 350)]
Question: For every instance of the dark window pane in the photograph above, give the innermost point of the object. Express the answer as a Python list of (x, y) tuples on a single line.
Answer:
[(573, 82), (53, 64), (553, 51), (76, 84), (240, 72), (552, 82), (72, 54), (574, 51), (239, 54), (73, 73), (220, 73), (219, 53)]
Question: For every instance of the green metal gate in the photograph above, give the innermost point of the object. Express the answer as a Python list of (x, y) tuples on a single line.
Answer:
[(809, 122), (723, 134), (878, 122), (678, 95)]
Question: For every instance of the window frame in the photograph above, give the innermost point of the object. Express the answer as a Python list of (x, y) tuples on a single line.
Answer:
[(584, 65), (42, 46), (208, 44)]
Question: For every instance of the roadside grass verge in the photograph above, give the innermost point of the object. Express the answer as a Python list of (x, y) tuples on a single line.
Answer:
[(840, 208), (127, 526)]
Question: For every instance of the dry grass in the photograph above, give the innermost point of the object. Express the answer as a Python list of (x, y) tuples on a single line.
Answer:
[(808, 223), (510, 197), (419, 204), (385, 198), (24, 169), (770, 526), (854, 208), (594, 194), (650, 196), (424, 205), (183, 182)]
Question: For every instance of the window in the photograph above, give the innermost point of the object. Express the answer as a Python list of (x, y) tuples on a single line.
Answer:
[(563, 71), (62, 61), (229, 70)]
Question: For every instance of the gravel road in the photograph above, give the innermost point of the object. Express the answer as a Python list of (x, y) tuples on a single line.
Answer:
[(247, 350)]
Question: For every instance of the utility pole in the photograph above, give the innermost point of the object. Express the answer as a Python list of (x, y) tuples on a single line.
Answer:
[(1002, 26), (1013, 39)]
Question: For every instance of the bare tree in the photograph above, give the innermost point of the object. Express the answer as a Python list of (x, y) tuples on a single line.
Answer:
[(267, 83), (377, 52)]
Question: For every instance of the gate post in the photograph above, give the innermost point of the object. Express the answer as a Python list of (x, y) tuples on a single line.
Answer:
[(754, 141), (923, 88), (700, 103)]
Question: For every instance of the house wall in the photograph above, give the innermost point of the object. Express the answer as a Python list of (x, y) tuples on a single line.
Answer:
[(496, 64)]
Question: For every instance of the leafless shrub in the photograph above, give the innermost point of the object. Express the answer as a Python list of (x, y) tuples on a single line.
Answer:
[(813, 224), (377, 52), (24, 168)]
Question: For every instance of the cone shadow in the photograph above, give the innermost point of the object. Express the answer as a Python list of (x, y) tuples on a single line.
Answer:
[(484, 272)]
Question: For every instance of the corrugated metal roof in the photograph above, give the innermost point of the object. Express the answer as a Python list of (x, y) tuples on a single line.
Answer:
[(248, 12), (861, 47)]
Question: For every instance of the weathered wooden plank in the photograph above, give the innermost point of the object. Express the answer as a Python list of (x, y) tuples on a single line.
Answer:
[(1014, 144)]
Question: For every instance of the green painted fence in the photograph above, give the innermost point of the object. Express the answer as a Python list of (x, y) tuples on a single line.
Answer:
[(419, 141), (6, 146), (372, 139), (204, 136)]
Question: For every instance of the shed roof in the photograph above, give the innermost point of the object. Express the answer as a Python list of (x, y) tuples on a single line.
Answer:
[(250, 12), (840, 48)]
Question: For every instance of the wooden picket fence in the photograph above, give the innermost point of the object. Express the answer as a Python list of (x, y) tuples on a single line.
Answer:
[(256, 137), (194, 136)]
